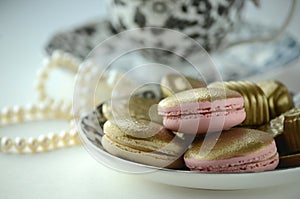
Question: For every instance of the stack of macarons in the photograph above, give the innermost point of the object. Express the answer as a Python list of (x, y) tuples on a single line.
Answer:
[(203, 128)]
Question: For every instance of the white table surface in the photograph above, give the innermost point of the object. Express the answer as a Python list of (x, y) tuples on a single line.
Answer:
[(25, 27)]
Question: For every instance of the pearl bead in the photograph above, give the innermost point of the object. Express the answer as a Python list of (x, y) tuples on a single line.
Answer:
[(42, 96), (6, 143), (48, 63), (4, 114), (7, 114), (43, 109), (42, 74), (75, 136), (48, 102), (20, 144), (18, 112), (44, 142), (31, 109), (33, 144), (56, 106), (40, 86), (56, 55), (54, 138), (65, 137)]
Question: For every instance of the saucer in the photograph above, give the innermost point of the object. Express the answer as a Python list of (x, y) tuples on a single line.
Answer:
[(233, 63)]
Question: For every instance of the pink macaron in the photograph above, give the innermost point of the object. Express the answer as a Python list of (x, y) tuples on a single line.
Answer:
[(236, 150), (202, 110)]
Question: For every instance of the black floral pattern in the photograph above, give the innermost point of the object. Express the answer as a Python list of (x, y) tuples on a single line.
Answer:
[(139, 18), (176, 15)]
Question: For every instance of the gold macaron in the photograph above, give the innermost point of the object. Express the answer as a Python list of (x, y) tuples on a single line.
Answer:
[(133, 107), (174, 83), (144, 142), (235, 142)]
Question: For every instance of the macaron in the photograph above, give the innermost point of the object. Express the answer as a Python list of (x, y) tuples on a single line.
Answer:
[(202, 110), (143, 142), (174, 83), (133, 107), (236, 150)]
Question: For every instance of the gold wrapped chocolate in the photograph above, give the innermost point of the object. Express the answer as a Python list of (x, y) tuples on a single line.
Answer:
[(292, 131), (174, 83), (278, 96), (256, 103), (276, 125), (289, 161)]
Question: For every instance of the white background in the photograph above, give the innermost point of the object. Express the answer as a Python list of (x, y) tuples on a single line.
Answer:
[(25, 27)]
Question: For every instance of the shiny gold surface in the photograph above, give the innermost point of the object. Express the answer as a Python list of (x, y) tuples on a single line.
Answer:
[(135, 107), (276, 125), (278, 96), (256, 103), (142, 136), (236, 142), (174, 83), (292, 131), (198, 95)]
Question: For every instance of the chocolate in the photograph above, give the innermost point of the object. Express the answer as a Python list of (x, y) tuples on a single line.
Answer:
[(289, 161), (174, 83), (276, 125), (292, 131), (286, 131), (279, 97), (256, 103)]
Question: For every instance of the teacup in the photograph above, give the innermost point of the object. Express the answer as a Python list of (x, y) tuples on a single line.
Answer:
[(206, 21)]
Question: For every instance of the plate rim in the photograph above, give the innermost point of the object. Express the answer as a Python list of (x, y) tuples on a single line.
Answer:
[(254, 179)]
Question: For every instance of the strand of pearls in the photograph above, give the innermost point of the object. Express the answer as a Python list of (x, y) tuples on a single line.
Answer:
[(58, 59), (46, 109), (19, 114)]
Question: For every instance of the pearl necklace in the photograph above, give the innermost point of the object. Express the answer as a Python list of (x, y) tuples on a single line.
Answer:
[(46, 109)]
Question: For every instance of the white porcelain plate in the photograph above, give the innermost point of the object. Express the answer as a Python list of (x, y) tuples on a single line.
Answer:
[(91, 133)]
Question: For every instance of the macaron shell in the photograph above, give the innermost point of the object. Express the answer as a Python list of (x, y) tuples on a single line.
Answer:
[(202, 110), (267, 159), (199, 124), (160, 141), (134, 107), (197, 95), (235, 150), (148, 158)]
